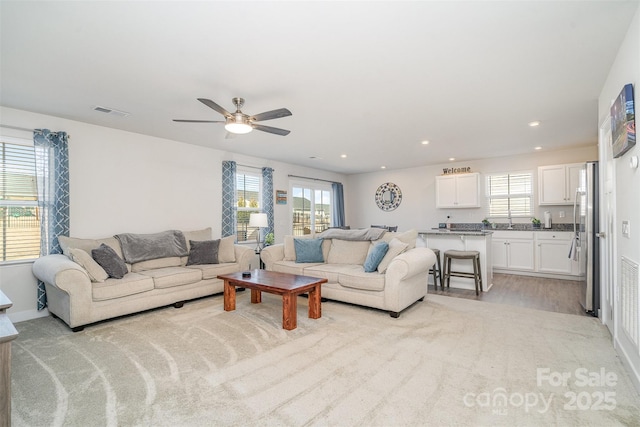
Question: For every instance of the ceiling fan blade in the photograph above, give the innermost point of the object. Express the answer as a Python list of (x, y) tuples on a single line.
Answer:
[(198, 121), (209, 103), (269, 129), (268, 115)]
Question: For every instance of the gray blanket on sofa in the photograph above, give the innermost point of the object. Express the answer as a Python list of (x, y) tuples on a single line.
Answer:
[(360, 234), (142, 247)]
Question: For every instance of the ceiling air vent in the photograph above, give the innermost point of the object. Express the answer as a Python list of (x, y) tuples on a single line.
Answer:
[(110, 111)]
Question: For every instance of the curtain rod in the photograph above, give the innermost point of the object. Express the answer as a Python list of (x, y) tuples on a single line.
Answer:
[(24, 129), (313, 179), (247, 166)]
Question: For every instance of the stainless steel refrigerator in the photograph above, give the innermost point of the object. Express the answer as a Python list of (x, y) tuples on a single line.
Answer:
[(585, 247)]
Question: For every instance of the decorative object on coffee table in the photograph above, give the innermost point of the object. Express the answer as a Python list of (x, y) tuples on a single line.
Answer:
[(285, 284)]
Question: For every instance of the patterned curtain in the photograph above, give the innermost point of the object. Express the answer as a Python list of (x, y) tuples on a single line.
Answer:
[(52, 177), (267, 197), (229, 202), (337, 205)]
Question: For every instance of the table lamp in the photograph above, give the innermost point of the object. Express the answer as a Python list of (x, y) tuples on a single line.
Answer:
[(260, 221)]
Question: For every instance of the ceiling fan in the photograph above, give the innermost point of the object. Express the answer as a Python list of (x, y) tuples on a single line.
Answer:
[(239, 122)]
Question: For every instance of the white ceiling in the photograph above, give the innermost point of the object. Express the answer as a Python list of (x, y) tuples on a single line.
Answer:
[(367, 79)]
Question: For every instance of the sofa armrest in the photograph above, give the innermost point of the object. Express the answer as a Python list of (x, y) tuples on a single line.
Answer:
[(61, 272), (409, 264), (244, 256), (271, 254)]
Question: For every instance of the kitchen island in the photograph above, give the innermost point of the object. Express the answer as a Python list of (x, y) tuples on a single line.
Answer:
[(462, 240)]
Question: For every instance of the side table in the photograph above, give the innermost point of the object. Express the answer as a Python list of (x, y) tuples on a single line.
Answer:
[(7, 334)]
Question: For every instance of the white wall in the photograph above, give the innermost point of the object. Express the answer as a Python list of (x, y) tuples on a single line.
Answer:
[(418, 210), (127, 182), (625, 69)]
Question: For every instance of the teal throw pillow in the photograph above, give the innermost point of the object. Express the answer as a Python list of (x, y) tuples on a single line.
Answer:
[(375, 256), (308, 250)]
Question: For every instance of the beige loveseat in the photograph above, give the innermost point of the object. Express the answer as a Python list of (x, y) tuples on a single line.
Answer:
[(79, 294), (400, 280)]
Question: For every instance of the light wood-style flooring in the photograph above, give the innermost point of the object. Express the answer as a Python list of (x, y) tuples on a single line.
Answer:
[(560, 296)]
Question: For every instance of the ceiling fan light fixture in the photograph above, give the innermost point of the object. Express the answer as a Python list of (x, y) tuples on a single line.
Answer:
[(238, 124)]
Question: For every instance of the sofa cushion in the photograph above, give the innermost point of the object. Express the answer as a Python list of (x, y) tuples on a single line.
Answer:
[(110, 261), (198, 235), (95, 272), (292, 267), (308, 250), (87, 245), (212, 271), (396, 247), (173, 276), (348, 251), (325, 271), (204, 252), (132, 283), (376, 253), (142, 247), (156, 263), (357, 278)]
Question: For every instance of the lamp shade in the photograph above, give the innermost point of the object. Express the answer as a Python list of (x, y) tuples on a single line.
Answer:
[(258, 220)]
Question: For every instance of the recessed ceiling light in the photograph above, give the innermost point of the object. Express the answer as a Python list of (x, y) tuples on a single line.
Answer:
[(425, 142), (383, 167), (534, 123), (537, 148), (451, 159), (344, 156)]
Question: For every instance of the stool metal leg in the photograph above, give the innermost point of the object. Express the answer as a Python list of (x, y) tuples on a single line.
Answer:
[(439, 274)]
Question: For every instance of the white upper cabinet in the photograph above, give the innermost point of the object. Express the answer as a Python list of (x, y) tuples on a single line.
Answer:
[(557, 184), (458, 191)]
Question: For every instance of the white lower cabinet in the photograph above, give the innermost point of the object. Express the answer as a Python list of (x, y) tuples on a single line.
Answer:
[(545, 252), (552, 253), (513, 250)]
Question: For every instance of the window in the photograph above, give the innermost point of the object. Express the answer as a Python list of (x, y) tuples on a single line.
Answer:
[(19, 219), (311, 208), (510, 194), (249, 187)]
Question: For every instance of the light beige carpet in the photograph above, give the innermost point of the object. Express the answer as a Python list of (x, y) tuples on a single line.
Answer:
[(445, 361)]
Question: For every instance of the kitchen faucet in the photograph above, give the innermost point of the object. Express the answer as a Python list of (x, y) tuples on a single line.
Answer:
[(510, 227)]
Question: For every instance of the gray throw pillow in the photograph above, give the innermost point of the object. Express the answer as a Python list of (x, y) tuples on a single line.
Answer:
[(203, 252), (110, 261)]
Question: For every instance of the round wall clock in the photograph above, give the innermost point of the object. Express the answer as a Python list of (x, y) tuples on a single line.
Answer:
[(388, 196)]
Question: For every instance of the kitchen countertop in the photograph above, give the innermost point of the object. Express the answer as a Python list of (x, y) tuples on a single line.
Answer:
[(454, 232)]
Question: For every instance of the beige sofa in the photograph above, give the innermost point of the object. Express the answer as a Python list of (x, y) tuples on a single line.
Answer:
[(400, 280), (79, 294)]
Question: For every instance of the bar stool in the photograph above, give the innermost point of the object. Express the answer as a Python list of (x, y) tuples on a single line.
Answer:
[(474, 256), (436, 270)]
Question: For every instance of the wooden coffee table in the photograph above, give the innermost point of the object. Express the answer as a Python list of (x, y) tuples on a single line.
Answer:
[(285, 284)]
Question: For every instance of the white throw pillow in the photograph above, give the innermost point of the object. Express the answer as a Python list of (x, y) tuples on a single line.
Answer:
[(227, 250), (409, 237), (396, 247), (94, 270)]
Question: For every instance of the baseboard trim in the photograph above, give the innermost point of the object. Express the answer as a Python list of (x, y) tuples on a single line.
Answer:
[(21, 316), (536, 274), (626, 361)]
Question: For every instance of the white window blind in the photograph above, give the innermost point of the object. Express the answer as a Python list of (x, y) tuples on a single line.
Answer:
[(19, 218), (249, 201), (510, 194)]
